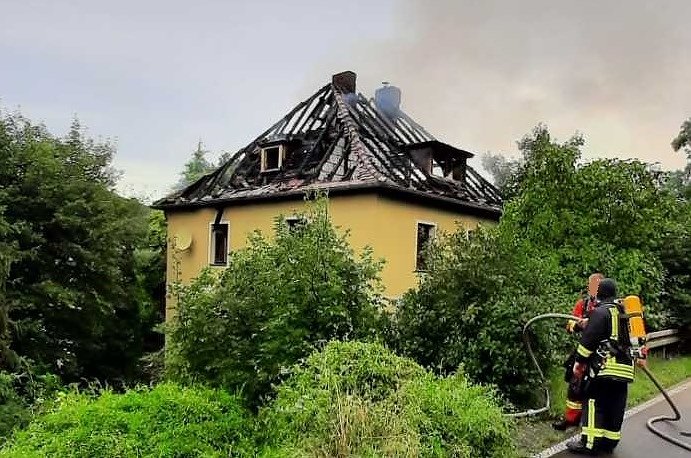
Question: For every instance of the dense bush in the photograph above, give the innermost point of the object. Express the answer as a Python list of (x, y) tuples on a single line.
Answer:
[(357, 399), (21, 395), (675, 255), (167, 421), (245, 326), (565, 221), (470, 309)]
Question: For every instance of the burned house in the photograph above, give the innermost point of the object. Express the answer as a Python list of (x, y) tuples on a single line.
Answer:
[(389, 181)]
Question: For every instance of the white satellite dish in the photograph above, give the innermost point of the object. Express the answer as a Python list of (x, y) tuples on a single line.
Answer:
[(183, 241)]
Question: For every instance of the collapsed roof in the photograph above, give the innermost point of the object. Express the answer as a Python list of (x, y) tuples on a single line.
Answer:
[(339, 141)]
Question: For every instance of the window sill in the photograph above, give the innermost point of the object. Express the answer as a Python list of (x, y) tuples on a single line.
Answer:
[(218, 265)]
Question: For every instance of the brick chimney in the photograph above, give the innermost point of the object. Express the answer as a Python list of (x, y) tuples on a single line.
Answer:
[(345, 81)]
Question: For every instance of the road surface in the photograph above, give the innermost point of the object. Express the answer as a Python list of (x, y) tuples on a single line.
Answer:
[(638, 442)]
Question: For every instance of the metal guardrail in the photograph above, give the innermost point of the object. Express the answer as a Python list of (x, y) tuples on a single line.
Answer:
[(661, 339)]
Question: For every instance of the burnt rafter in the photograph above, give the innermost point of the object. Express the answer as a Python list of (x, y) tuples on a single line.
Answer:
[(338, 139)]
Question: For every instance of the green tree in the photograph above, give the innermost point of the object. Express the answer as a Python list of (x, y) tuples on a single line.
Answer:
[(246, 325), (195, 168), (683, 140), (608, 215), (150, 273), (681, 179), (71, 290), (675, 253), (566, 221), (8, 358)]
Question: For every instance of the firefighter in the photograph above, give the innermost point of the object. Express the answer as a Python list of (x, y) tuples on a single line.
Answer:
[(582, 309), (604, 368)]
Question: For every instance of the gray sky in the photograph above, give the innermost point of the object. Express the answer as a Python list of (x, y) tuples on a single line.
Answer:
[(157, 75)]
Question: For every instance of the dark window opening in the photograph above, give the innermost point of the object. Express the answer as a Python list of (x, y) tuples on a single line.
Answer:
[(219, 244), (295, 223), (272, 158), (425, 234)]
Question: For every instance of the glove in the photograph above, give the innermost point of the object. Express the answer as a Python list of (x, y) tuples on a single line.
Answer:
[(579, 370), (576, 384)]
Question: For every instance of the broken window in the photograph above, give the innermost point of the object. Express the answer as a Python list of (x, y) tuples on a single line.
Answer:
[(296, 222), (271, 158), (219, 244), (425, 234)]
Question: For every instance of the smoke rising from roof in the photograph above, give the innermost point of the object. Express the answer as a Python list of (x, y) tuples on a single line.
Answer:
[(482, 73)]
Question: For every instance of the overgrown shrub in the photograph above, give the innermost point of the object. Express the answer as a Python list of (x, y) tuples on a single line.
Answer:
[(455, 418), (245, 326), (21, 395), (565, 221), (675, 255), (470, 309), (359, 399), (167, 421)]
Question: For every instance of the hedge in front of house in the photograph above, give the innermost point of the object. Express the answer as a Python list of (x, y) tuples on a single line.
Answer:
[(166, 421)]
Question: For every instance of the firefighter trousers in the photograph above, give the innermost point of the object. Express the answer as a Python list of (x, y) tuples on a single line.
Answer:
[(574, 397), (603, 414)]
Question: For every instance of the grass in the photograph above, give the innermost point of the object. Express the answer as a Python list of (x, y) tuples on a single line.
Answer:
[(537, 434)]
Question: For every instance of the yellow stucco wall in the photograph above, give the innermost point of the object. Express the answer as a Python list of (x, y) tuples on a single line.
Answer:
[(389, 226)]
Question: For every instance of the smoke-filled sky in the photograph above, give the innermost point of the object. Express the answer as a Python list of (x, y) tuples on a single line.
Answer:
[(158, 75)]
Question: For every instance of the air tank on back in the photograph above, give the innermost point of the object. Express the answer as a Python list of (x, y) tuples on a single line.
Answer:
[(388, 100)]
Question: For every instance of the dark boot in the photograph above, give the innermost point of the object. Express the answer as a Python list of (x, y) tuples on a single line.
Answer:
[(562, 424), (577, 447)]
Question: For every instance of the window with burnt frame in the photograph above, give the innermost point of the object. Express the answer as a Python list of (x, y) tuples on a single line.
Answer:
[(425, 235), (272, 158), (219, 244)]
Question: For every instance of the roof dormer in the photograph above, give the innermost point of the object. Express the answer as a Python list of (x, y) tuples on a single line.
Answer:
[(440, 159)]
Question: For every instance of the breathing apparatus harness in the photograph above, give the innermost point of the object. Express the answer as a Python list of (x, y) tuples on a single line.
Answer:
[(633, 313)]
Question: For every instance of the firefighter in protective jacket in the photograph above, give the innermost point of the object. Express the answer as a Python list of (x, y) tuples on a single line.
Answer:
[(603, 368), (582, 310)]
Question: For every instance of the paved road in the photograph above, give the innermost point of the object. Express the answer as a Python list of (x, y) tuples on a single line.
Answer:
[(638, 442)]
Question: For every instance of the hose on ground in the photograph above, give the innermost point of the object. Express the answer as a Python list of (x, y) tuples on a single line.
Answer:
[(529, 348), (651, 421), (677, 416)]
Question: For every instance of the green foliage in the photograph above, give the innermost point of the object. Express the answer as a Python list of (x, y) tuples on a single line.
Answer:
[(683, 140), (565, 222), (245, 326), (166, 421), (8, 358), (195, 168), (20, 396), (150, 271), (609, 215), (357, 399), (470, 308), (454, 417), (71, 294), (14, 411), (675, 255)]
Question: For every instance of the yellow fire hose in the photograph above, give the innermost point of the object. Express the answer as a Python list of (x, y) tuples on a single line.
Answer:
[(651, 421)]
